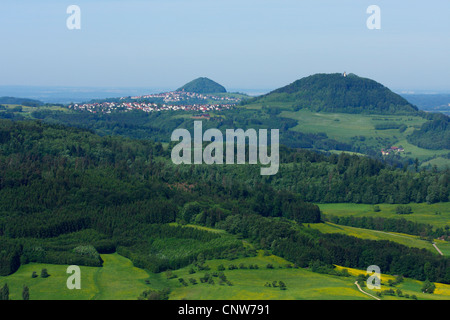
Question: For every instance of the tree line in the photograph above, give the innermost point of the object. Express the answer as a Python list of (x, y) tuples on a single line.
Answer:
[(400, 225), (307, 247)]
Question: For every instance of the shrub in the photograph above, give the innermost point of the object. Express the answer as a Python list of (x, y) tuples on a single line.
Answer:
[(428, 287), (89, 251), (403, 210), (44, 273), (155, 295), (183, 282), (26, 293)]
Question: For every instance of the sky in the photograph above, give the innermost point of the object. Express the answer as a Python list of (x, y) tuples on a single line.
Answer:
[(243, 45)]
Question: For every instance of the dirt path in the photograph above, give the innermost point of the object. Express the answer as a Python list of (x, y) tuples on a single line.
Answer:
[(356, 282), (440, 252)]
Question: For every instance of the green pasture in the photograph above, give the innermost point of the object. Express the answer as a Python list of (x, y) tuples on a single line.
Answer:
[(404, 239), (249, 284), (408, 286), (343, 127), (118, 279), (436, 214)]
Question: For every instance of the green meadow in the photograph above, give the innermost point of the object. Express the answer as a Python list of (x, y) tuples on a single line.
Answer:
[(52, 288), (118, 279), (361, 129), (343, 127), (404, 239), (436, 214), (439, 162), (249, 284), (408, 286), (444, 246), (26, 110), (346, 126)]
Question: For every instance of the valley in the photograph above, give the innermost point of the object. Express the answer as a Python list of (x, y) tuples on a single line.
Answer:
[(406, 136), (97, 188), (215, 159)]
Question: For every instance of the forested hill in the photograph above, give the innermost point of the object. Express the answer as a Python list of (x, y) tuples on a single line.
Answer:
[(339, 93), (434, 134), (108, 192), (67, 194), (21, 101), (203, 86)]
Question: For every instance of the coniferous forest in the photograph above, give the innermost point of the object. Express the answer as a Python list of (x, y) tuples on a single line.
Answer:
[(224, 152), (68, 194)]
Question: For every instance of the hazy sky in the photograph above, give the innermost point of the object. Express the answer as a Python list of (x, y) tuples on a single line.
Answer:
[(246, 44)]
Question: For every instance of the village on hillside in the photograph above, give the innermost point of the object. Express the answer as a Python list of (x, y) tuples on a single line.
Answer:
[(174, 100)]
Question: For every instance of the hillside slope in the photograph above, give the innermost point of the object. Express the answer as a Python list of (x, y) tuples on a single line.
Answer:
[(434, 134), (339, 93), (203, 85)]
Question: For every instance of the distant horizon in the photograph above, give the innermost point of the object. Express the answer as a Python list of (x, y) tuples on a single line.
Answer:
[(67, 94), (248, 45)]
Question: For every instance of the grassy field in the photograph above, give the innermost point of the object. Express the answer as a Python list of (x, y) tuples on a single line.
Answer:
[(249, 284), (439, 162), (405, 239), (408, 286), (444, 246), (301, 284), (26, 111), (343, 127), (118, 279), (436, 214), (53, 287)]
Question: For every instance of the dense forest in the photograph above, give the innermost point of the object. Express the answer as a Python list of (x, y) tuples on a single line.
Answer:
[(336, 93), (67, 194), (321, 178), (203, 85), (434, 134), (160, 125), (59, 181)]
